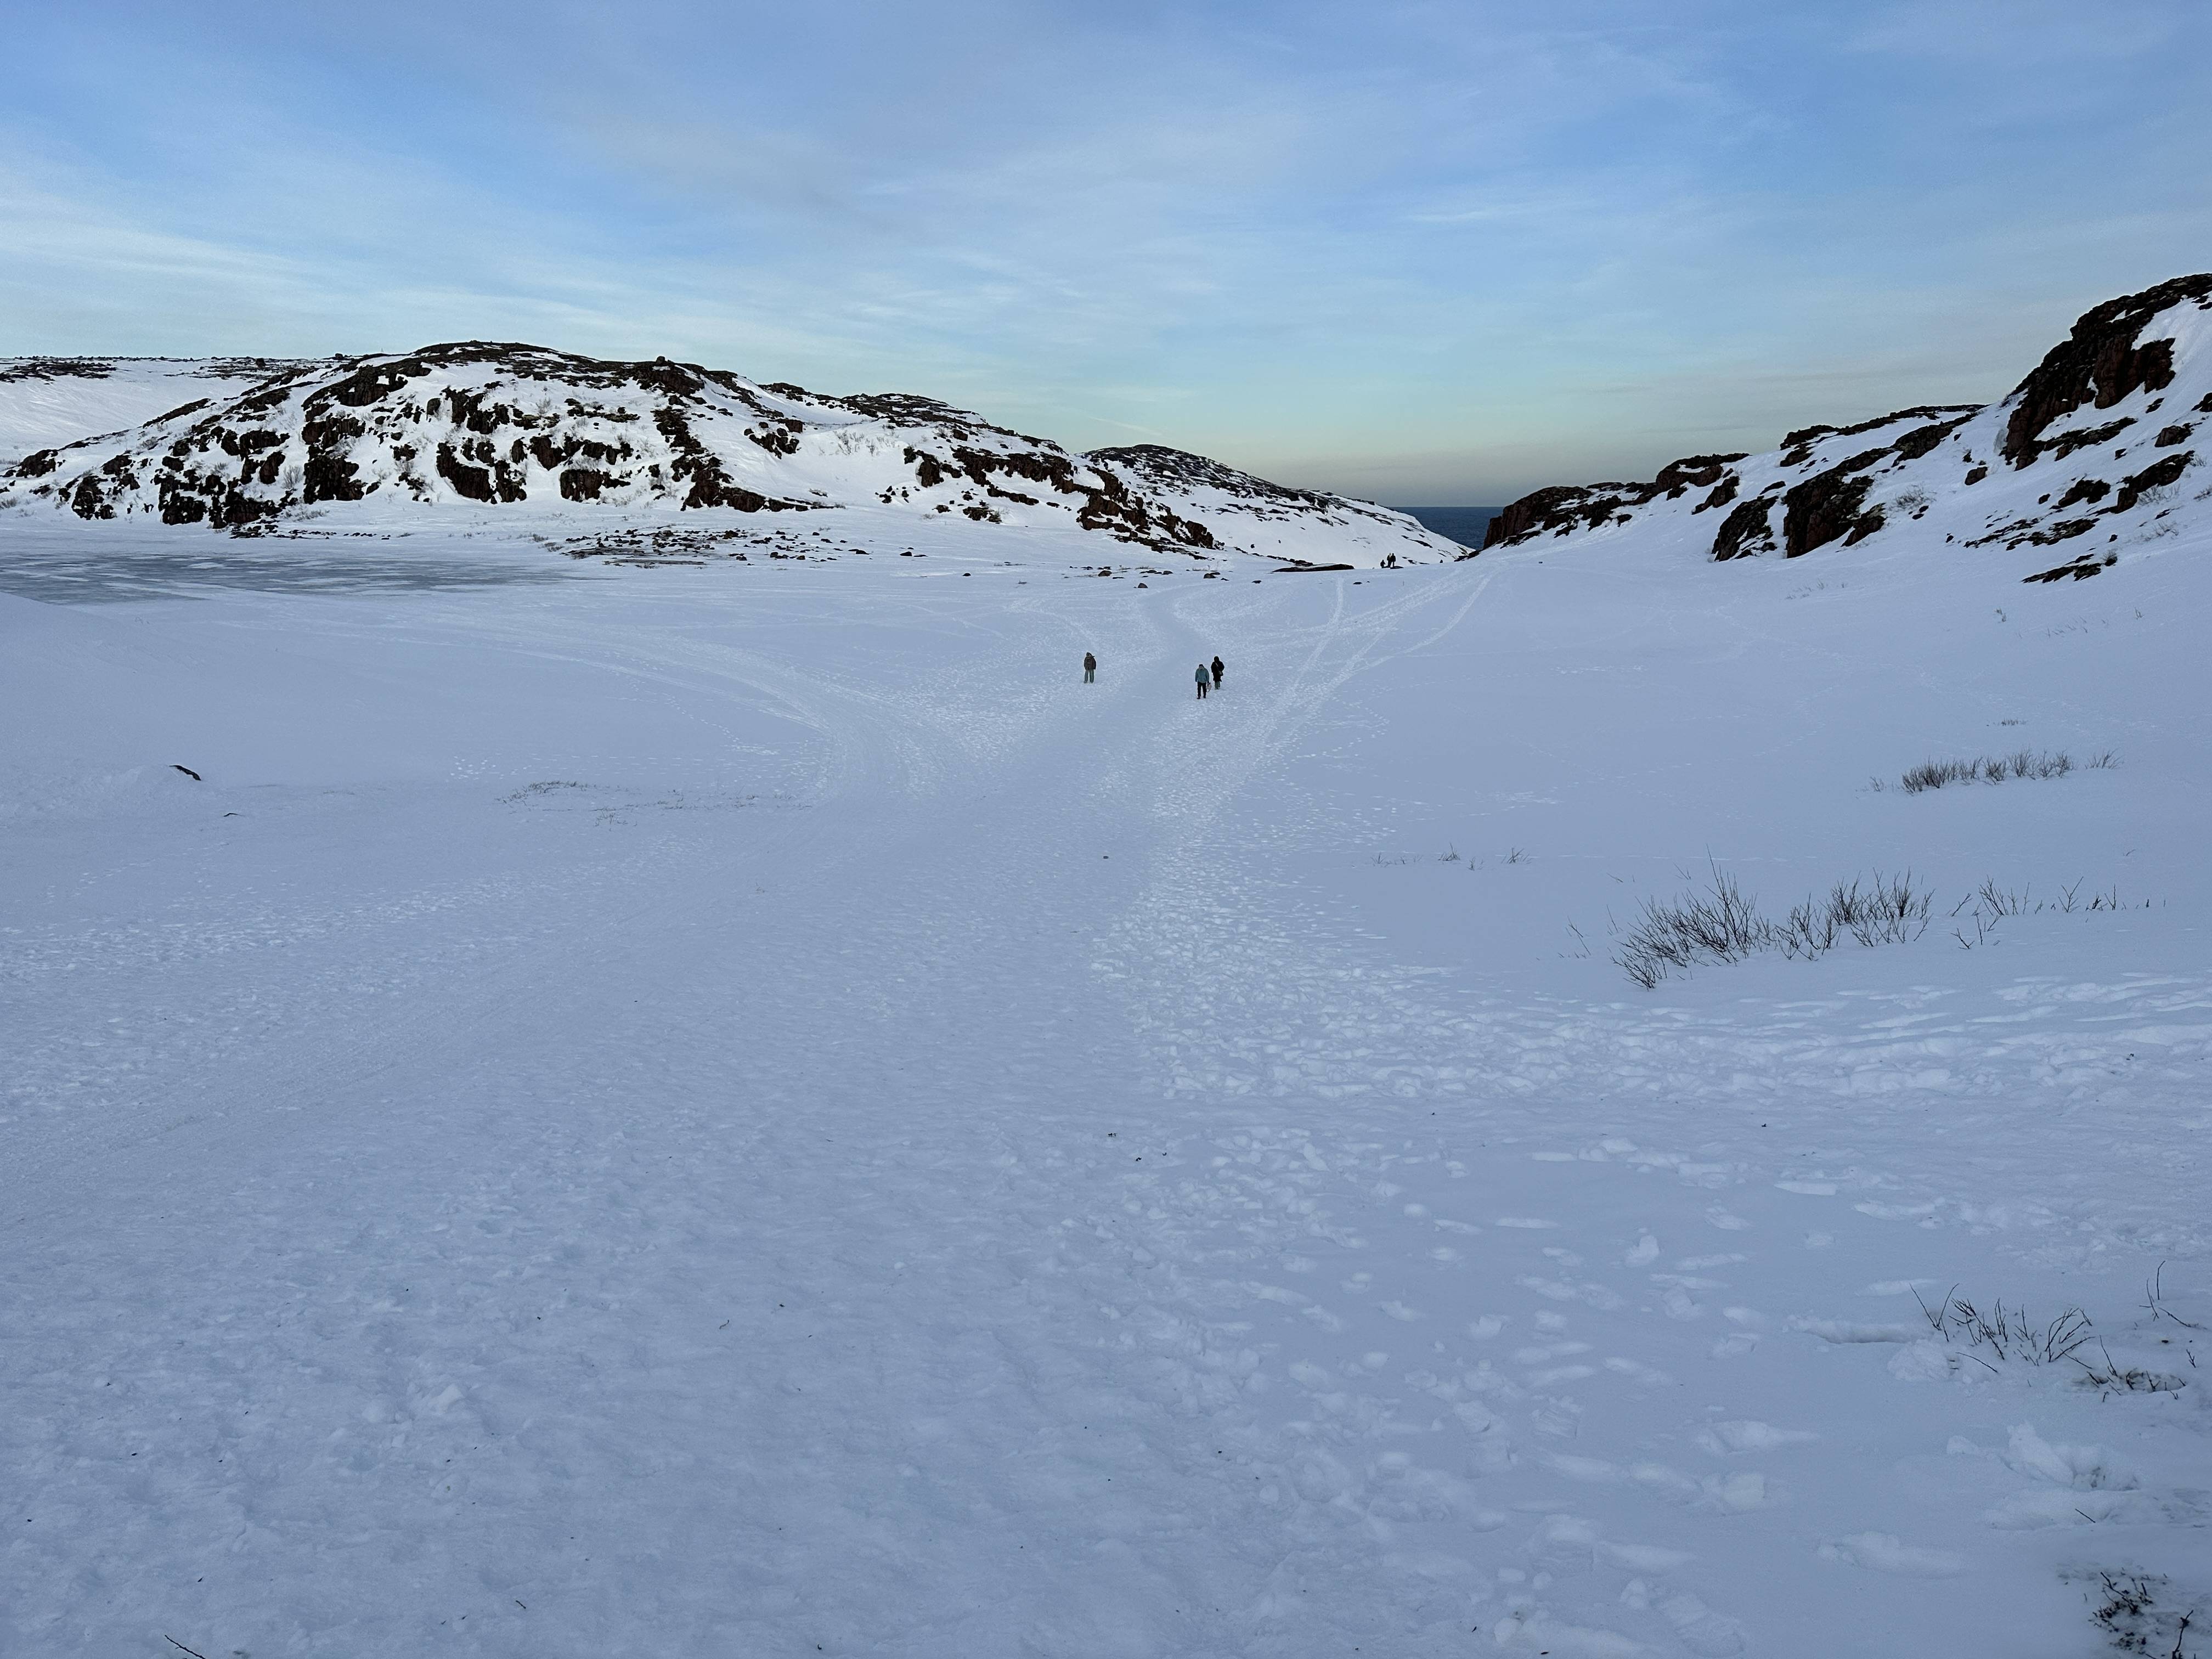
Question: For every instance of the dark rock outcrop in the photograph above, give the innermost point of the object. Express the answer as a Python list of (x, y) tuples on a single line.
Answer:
[(2099, 362), (1559, 509), (2157, 477), (2079, 569), (1564, 508), (1747, 531), (1831, 504)]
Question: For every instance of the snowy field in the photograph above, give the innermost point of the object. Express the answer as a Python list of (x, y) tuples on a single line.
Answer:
[(743, 1110)]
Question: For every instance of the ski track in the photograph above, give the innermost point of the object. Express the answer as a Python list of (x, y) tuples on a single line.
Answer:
[(975, 1205)]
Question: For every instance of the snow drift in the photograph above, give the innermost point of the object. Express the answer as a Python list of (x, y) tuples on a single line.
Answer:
[(2095, 448), (520, 426)]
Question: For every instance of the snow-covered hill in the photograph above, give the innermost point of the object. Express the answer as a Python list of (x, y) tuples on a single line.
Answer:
[(1300, 524), (2095, 452), (58, 400), (522, 427)]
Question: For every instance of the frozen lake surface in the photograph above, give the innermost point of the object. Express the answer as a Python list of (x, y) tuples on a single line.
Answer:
[(71, 568)]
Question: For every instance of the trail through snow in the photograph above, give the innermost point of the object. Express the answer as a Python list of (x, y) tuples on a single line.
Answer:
[(749, 1112)]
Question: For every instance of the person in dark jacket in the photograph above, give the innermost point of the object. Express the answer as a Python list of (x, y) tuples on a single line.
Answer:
[(1090, 668), (1216, 673), (1203, 681)]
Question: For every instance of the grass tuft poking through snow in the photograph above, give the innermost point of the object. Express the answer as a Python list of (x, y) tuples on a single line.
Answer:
[(2139, 1612), (1989, 904), (1995, 769), (2007, 1333), (1996, 1336), (1725, 924), (1889, 910)]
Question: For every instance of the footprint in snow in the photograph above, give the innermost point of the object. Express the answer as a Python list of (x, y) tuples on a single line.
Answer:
[(1580, 1468), (1680, 1304), (1925, 1361), (1882, 1552), (1596, 1296), (1749, 1436), (2082, 1486), (1734, 1494), (2028, 1511), (1543, 1355), (1648, 1558), (1559, 1374), (1701, 1629)]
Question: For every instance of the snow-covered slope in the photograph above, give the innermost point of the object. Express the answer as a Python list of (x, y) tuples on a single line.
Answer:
[(58, 400), (749, 1110), (1303, 525), (521, 426), (2095, 452)]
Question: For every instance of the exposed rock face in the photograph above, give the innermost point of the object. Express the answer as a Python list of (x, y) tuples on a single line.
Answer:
[(17, 369), (2155, 476), (1747, 531), (2099, 362), (2076, 415), (1563, 507), (505, 424), (1831, 504), (55, 369)]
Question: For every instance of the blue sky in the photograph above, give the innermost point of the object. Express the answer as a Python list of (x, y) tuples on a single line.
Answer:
[(1426, 252)]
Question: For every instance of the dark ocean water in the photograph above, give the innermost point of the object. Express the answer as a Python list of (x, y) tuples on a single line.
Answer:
[(1464, 525)]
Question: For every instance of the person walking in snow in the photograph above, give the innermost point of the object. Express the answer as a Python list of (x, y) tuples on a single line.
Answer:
[(1203, 681), (1216, 672), (1090, 668)]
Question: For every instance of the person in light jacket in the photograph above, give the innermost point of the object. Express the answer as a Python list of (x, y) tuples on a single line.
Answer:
[(1205, 680)]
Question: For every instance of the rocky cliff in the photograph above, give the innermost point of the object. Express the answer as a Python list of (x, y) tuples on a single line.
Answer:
[(2097, 447)]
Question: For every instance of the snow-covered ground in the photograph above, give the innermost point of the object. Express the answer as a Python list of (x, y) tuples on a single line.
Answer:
[(58, 400), (744, 1109)]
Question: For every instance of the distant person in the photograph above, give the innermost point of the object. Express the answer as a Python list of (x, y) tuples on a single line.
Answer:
[(1090, 668), (1204, 681), (1216, 673)]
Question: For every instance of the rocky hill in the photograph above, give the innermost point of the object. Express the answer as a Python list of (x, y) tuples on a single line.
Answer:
[(523, 427), (2096, 449), (1260, 515)]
